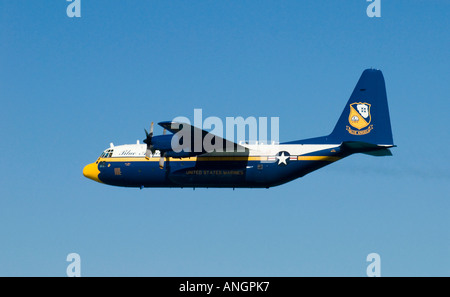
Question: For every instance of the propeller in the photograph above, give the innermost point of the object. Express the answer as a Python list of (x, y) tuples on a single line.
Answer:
[(150, 150), (148, 141)]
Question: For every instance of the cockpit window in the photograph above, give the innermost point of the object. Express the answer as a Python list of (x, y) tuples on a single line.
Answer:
[(107, 153)]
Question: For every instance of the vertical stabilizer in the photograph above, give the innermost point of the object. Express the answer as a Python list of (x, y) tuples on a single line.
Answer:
[(366, 115)]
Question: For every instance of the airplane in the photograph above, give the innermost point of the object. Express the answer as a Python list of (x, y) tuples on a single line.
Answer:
[(363, 127)]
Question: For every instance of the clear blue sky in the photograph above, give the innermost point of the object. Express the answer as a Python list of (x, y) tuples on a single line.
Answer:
[(69, 87)]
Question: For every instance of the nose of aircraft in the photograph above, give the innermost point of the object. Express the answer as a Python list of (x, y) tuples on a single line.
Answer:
[(91, 171)]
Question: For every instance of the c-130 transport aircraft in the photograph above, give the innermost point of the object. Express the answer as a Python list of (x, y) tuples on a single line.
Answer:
[(363, 127)]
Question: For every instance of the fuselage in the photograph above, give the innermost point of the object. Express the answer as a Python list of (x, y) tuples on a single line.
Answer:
[(261, 166)]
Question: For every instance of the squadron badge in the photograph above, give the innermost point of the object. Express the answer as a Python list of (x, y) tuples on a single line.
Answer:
[(359, 118)]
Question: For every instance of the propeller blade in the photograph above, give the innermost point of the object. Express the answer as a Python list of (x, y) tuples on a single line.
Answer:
[(148, 136), (148, 141), (161, 161), (148, 153)]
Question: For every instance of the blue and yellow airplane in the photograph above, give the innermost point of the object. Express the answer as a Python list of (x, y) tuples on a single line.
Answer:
[(364, 127)]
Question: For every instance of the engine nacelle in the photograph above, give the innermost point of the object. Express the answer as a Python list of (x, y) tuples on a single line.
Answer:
[(162, 142)]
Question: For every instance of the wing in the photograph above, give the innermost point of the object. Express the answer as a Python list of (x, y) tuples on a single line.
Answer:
[(200, 141)]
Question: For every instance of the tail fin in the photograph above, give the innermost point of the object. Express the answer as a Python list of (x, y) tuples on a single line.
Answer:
[(366, 115)]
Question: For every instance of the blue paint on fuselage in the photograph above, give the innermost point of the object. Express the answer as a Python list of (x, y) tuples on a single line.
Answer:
[(224, 174)]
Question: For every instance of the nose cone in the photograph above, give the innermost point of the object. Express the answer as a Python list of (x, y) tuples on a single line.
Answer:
[(91, 171)]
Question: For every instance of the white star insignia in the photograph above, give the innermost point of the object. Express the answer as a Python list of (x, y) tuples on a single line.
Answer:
[(282, 159)]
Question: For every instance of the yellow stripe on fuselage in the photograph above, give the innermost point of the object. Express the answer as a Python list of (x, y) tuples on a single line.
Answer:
[(318, 158), (232, 158)]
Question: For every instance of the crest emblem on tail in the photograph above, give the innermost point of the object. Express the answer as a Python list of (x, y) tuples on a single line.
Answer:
[(359, 118)]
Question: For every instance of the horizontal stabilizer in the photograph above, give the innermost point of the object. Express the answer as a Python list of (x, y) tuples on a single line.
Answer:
[(353, 147), (379, 153)]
